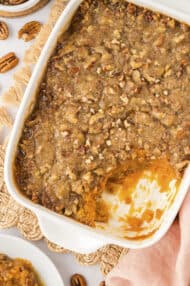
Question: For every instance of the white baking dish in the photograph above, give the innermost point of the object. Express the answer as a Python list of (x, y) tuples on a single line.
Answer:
[(60, 229)]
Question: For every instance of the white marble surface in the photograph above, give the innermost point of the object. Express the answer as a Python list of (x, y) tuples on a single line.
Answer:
[(65, 263)]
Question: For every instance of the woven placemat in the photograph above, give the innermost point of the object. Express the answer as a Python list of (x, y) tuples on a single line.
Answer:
[(13, 214)]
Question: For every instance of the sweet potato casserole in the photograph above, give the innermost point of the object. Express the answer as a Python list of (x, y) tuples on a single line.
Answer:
[(116, 92), (12, 2), (17, 272)]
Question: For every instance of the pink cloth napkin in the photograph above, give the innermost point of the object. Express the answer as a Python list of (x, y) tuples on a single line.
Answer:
[(167, 263)]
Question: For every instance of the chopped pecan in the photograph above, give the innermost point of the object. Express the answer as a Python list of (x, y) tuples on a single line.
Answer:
[(148, 16), (131, 9)]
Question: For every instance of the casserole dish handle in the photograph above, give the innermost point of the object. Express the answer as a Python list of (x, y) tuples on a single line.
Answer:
[(70, 236)]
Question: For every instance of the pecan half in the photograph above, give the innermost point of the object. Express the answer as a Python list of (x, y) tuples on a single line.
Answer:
[(8, 61), (78, 280), (4, 31), (29, 31)]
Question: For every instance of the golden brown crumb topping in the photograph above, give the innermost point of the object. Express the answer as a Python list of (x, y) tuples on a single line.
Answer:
[(116, 89)]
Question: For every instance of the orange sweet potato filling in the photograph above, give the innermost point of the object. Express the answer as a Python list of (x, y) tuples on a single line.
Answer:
[(123, 181), (17, 272)]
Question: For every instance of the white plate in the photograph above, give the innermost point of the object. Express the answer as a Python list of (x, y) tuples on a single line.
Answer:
[(16, 247)]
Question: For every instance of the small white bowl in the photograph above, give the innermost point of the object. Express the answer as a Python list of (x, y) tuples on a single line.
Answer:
[(16, 247), (21, 9)]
